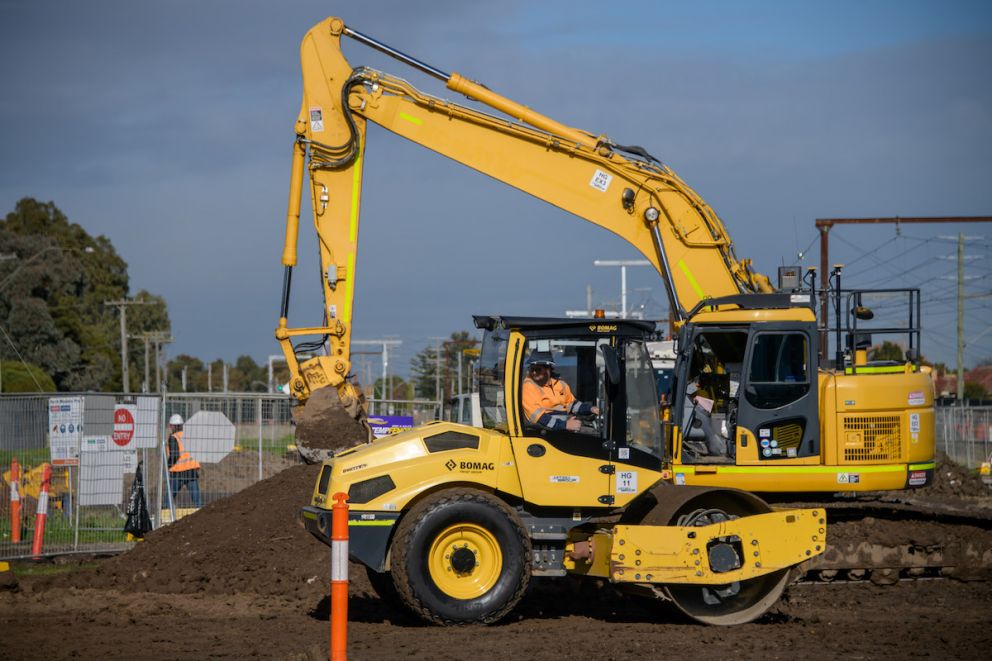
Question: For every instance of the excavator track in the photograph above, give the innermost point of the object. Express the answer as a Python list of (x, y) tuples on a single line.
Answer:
[(885, 538)]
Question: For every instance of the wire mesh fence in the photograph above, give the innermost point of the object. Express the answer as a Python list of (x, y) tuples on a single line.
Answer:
[(95, 443), (964, 433)]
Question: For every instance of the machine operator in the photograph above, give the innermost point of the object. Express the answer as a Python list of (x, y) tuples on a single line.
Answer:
[(548, 401)]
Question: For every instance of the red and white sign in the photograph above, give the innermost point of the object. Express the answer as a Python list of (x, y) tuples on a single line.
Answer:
[(124, 415)]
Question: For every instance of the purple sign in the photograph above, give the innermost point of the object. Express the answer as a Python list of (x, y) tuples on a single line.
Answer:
[(384, 425)]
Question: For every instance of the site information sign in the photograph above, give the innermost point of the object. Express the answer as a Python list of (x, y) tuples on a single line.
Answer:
[(65, 429)]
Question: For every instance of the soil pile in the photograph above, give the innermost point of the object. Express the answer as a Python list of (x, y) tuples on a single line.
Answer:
[(250, 542), (951, 479)]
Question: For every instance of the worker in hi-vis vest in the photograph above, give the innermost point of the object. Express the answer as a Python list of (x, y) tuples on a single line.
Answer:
[(183, 468), (548, 401)]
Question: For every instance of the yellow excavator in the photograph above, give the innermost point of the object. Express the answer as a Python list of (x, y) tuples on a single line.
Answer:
[(754, 403), (452, 521)]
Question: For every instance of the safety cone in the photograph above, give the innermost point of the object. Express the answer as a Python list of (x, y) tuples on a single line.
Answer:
[(39, 520), (15, 501)]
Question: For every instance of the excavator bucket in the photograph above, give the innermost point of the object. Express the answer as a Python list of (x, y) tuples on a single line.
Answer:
[(330, 421)]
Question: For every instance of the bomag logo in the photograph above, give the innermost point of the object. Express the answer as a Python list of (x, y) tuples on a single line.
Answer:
[(470, 466), (602, 328)]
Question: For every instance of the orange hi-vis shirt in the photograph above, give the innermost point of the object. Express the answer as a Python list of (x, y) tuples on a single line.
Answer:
[(553, 399), (185, 461)]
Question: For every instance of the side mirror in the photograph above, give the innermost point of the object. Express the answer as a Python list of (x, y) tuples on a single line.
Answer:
[(612, 364)]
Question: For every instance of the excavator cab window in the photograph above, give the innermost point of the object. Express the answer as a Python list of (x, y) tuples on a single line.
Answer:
[(779, 373), (709, 411), (643, 421)]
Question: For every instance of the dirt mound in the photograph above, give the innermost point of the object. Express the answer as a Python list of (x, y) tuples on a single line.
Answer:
[(250, 542), (951, 479)]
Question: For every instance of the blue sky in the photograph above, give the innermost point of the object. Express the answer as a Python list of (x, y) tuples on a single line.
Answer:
[(167, 127)]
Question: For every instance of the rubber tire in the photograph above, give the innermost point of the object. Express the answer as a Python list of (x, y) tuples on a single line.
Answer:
[(382, 584), (412, 542)]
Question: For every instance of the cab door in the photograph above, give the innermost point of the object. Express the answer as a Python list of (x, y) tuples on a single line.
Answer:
[(557, 468), (777, 402)]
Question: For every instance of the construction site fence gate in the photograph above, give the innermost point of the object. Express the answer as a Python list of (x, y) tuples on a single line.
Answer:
[(95, 442)]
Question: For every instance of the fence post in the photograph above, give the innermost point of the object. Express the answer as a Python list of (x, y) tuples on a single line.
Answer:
[(259, 439), (15, 501)]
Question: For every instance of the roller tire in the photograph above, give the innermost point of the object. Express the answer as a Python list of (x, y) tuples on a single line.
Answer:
[(418, 535)]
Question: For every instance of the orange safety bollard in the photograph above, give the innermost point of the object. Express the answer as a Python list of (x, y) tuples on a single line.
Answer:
[(339, 578), (15, 501), (39, 520)]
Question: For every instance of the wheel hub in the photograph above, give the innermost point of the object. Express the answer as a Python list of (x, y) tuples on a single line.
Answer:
[(463, 561)]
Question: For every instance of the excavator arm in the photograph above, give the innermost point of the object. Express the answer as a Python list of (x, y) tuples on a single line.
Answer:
[(622, 189)]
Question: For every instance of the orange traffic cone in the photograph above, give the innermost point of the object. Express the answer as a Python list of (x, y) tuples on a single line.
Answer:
[(15, 501), (39, 520)]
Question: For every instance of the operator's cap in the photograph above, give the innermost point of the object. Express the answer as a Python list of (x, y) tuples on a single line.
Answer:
[(540, 359), (176, 419)]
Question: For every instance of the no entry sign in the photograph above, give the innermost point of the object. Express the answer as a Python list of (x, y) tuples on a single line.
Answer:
[(124, 426)]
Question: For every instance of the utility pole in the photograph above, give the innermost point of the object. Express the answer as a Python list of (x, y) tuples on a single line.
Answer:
[(960, 342), (385, 344), (960, 278), (438, 343), (121, 306), (158, 339), (210, 376), (144, 337)]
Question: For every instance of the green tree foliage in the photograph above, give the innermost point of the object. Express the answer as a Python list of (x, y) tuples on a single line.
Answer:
[(54, 280), (889, 351), (975, 390), (17, 377), (424, 367)]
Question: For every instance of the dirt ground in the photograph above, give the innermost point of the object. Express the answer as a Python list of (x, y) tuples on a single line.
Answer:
[(240, 579)]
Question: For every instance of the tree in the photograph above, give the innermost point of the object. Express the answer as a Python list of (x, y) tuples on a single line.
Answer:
[(17, 377), (424, 367), (975, 390), (53, 285), (890, 351)]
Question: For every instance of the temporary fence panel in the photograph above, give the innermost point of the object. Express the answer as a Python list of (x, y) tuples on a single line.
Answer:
[(964, 433), (93, 456)]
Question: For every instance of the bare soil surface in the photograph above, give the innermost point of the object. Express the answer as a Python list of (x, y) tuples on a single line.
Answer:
[(241, 579)]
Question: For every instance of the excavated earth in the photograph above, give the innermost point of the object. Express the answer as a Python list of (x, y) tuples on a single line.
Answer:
[(240, 579)]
